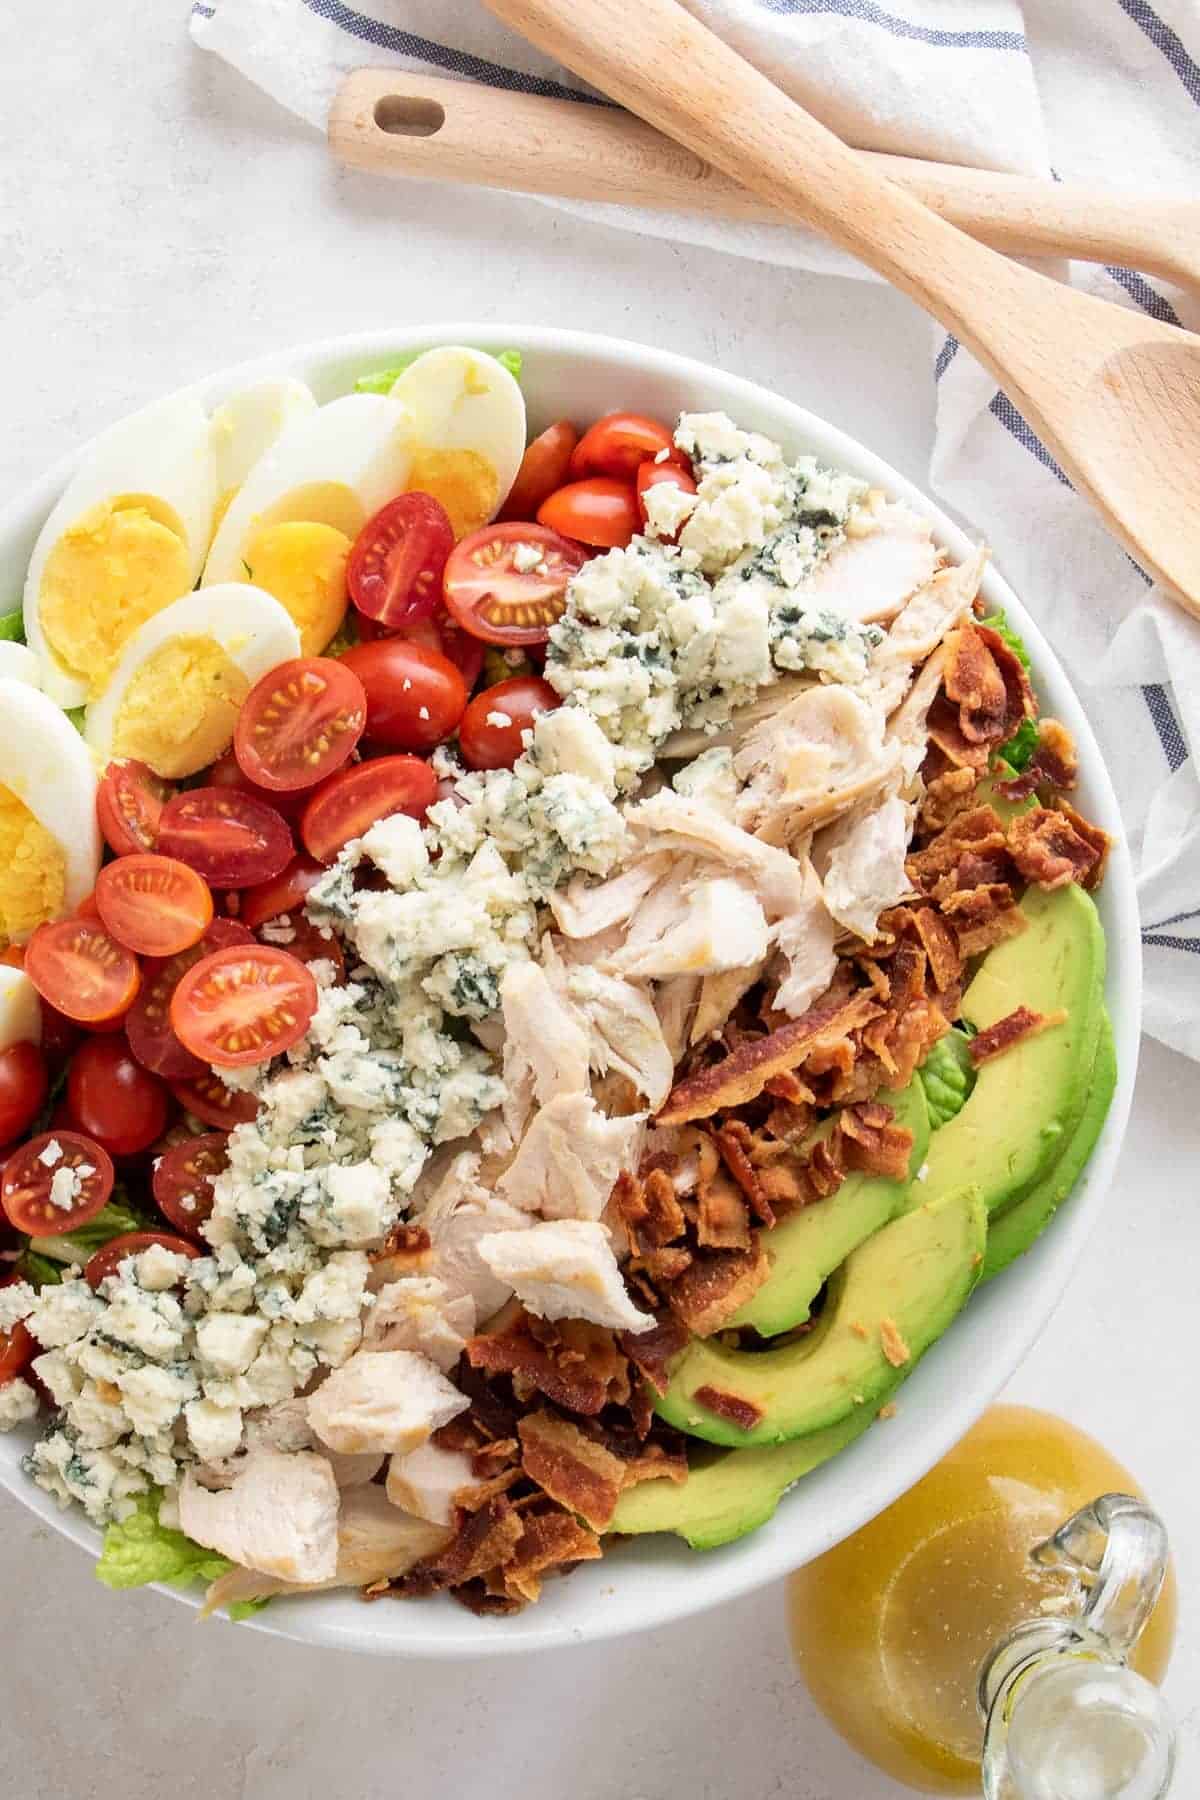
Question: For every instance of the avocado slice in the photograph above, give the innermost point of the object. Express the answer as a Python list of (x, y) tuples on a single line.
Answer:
[(731, 1492), (805, 1250), (899, 1290), (1026, 1104), (1013, 1233)]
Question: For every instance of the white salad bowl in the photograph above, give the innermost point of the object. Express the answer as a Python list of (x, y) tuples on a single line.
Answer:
[(653, 1580)]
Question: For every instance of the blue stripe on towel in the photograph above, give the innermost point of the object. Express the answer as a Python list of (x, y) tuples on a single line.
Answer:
[(1170, 732), (1003, 409), (1154, 941), (945, 356), (868, 13), (1168, 40), (1149, 299)]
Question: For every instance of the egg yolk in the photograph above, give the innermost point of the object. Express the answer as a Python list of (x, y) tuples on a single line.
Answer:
[(108, 573), (304, 567), (33, 871), (179, 710), (464, 482)]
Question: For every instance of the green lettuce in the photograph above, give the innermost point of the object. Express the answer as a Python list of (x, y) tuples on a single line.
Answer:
[(38, 1271), (380, 381), (998, 622), (139, 1550), (947, 1075), (12, 627), (347, 636), (112, 1221), (77, 716)]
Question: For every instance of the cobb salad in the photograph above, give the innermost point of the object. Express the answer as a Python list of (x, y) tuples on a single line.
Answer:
[(537, 977)]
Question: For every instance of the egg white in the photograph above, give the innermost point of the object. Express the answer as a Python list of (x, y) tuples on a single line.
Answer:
[(165, 452), (362, 443), (246, 426), (45, 763), (465, 400), (20, 1009), (18, 663), (252, 628)]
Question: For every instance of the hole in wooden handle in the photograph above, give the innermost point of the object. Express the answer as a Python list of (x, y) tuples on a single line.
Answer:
[(404, 115)]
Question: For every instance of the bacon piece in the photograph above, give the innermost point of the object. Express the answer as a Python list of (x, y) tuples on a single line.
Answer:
[(894, 1346), (718, 1283), (941, 947), (738, 1148), (789, 1088), (986, 680), (947, 735), (579, 1473), (873, 1142), (484, 1539), (1012, 1029), (823, 1167), (406, 1250), (1047, 849), (649, 1208), (1093, 835), (664, 1264), (575, 1364), (551, 1539), (730, 1407), (1054, 764), (723, 1222), (653, 1352), (743, 1074), (984, 916), (980, 830), (664, 1457), (945, 797)]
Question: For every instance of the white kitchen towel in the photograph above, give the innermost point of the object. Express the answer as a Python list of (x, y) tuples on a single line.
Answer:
[(1087, 90)]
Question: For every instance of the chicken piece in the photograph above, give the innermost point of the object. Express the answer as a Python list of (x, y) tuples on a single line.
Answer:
[(722, 926), (676, 1003), (375, 1541), (887, 554), (691, 741), (382, 1400), (420, 1313), (681, 823), (861, 860), (936, 609), (816, 759), (582, 908), (545, 1044), (426, 1480), (279, 1515), (806, 939), (565, 1269), (719, 994), (285, 1426), (623, 1029), (569, 1159), (457, 1215), (908, 727)]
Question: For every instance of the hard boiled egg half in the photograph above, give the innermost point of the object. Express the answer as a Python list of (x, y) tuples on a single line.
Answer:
[(468, 422), (289, 527), (20, 1009), (127, 538), (246, 425), (175, 695), (49, 838)]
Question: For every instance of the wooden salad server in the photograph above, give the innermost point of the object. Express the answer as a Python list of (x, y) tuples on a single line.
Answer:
[(1114, 395), (428, 127)]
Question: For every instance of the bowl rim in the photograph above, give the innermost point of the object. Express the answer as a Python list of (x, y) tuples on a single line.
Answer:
[(945, 1411)]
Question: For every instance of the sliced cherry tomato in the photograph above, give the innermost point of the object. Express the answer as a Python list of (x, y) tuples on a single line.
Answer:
[(395, 569), (80, 1166), (227, 772), (116, 1101), (228, 837), (619, 444), (18, 1346), (305, 941), (153, 904), (59, 1035), (441, 633), (244, 1006), (207, 1098), (129, 805), (415, 696), (23, 1087), (80, 969), (498, 591), (490, 733), (599, 511), (545, 466), (148, 1022), (353, 800), (283, 894), (654, 475), (110, 1256), (300, 722), (183, 1180)]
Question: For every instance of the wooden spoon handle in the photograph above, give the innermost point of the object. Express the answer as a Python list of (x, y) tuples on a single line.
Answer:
[(395, 123)]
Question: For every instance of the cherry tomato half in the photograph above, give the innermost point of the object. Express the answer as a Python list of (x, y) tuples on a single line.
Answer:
[(300, 722), (226, 836), (207, 1098), (353, 800), (129, 805), (619, 444), (507, 584), (79, 1166), (110, 1256), (183, 1180), (652, 475), (148, 1021), (80, 969), (545, 466), (305, 941), (284, 893), (599, 511), (153, 904), (490, 733), (116, 1101), (23, 1087), (18, 1347), (227, 772), (244, 1006), (395, 569), (440, 633), (415, 697)]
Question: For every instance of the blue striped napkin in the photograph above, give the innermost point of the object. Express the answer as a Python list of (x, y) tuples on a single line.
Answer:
[(1089, 90)]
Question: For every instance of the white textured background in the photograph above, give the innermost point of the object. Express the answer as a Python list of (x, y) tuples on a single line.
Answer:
[(159, 219)]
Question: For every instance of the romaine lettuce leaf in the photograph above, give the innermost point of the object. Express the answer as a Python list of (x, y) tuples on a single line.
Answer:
[(140, 1550), (947, 1075), (379, 381), (114, 1220), (998, 622), (12, 627)]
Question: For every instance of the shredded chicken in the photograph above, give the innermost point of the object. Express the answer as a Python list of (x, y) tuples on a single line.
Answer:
[(814, 760), (276, 1513), (871, 574), (861, 860), (569, 1159)]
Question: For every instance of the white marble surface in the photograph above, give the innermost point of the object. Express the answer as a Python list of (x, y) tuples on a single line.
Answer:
[(158, 218)]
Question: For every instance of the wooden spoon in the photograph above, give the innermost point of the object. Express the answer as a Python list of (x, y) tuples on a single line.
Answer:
[(426, 126), (1114, 395)]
